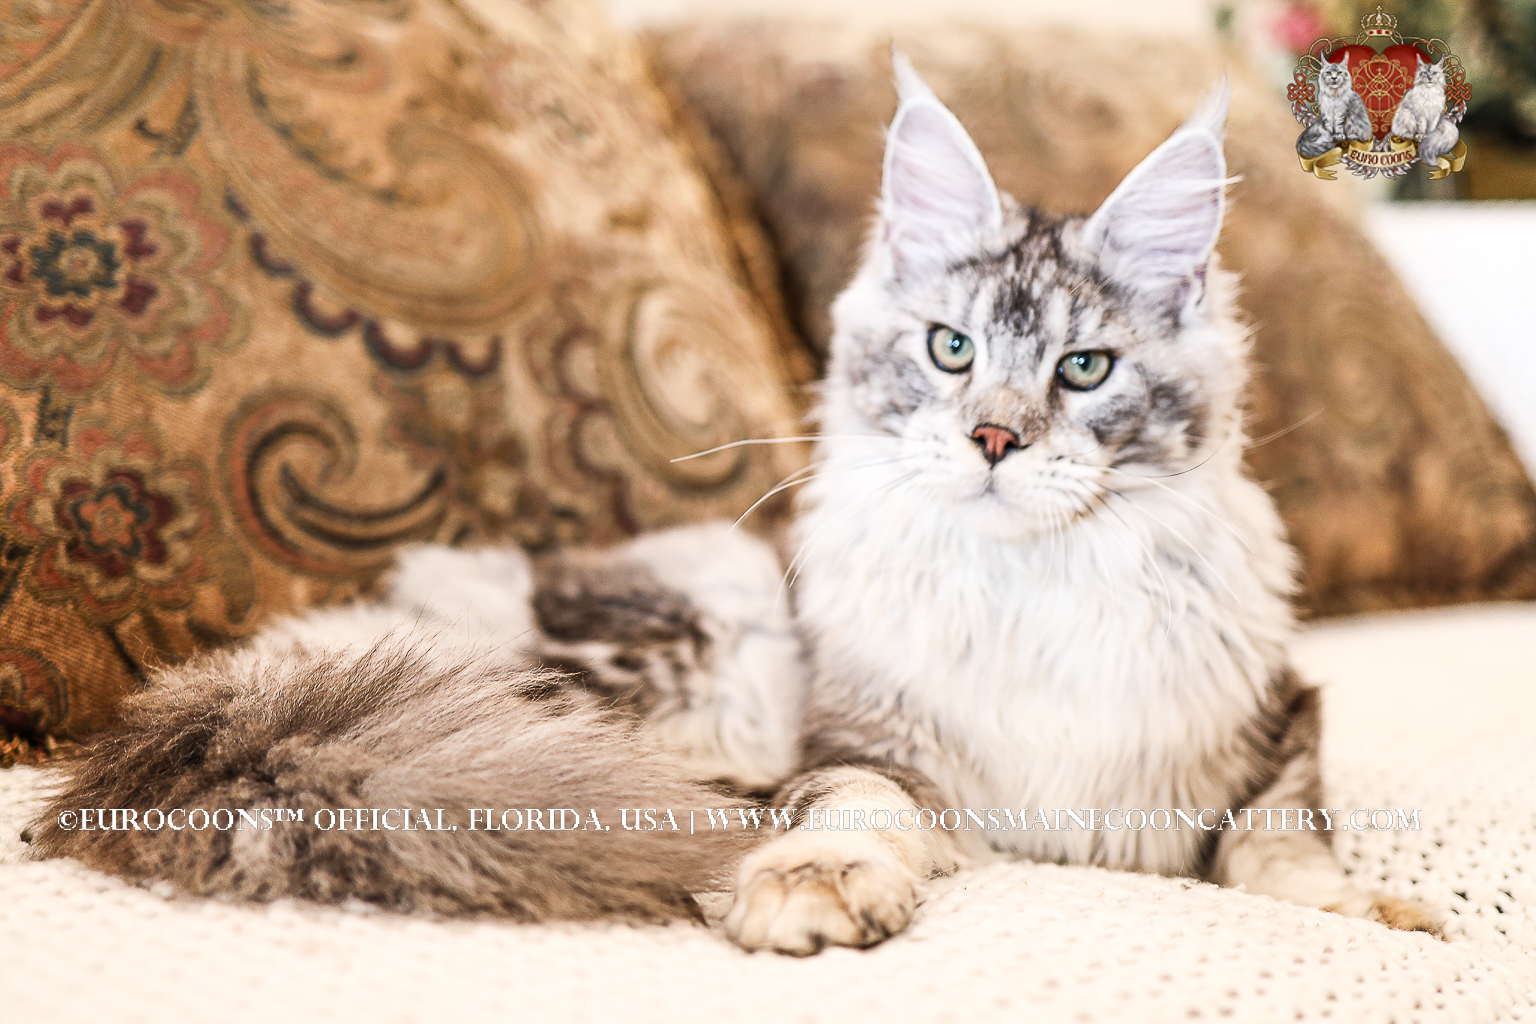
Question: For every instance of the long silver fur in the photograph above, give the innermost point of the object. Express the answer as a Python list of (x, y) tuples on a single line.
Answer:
[(1092, 613)]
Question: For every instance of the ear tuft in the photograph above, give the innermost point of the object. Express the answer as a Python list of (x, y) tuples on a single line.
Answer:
[(1156, 231), (909, 84), (936, 189)]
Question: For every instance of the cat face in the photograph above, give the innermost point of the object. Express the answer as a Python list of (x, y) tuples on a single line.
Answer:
[(1334, 78), (1016, 366), (1431, 75)]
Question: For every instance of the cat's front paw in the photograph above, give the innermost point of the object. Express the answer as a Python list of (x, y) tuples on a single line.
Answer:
[(803, 891), (1404, 915)]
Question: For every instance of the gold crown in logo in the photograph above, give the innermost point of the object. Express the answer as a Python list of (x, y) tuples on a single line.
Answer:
[(1379, 24)]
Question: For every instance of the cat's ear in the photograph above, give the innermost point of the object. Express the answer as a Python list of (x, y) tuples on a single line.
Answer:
[(1156, 231), (936, 191)]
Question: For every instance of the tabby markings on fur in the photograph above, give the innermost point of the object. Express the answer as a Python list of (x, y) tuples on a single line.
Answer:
[(1032, 571)]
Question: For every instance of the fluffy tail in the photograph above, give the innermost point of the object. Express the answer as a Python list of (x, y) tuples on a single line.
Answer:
[(308, 736)]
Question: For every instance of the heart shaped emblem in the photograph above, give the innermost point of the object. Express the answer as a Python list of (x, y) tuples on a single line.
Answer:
[(1334, 127), (1381, 79)]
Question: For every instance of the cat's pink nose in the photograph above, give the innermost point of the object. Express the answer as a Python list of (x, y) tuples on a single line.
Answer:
[(995, 442)]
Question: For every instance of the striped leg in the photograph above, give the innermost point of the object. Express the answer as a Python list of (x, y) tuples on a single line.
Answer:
[(1297, 865)]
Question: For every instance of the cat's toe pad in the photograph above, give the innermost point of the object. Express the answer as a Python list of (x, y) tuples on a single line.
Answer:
[(1404, 915), (802, 892)]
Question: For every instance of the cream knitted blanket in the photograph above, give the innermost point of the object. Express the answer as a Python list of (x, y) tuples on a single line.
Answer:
[(1428, 711)]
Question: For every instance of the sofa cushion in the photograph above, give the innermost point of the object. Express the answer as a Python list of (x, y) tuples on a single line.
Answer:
[(285, 286), (1397, 486)]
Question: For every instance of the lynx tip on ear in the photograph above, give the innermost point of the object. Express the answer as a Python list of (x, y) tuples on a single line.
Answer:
[(935, 185), (909, 84), (1211, 114)]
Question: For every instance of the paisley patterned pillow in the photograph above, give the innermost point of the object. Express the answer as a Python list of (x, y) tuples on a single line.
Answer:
[(1396, 484), (284, 286)]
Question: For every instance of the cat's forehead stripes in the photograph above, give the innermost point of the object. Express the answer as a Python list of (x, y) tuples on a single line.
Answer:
[(1032, 298)]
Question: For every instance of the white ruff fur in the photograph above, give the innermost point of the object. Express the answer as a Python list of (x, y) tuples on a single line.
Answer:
[(1105, 666), (1052, 630)]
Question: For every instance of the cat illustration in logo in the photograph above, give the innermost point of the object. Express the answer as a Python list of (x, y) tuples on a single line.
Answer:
[(1343, 116), (1421, 114)]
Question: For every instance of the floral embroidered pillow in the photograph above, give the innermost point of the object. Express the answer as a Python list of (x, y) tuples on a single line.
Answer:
[(283, 288)]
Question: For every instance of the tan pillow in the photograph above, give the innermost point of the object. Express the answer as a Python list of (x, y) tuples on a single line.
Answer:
[(285, 286), (1397, 486)]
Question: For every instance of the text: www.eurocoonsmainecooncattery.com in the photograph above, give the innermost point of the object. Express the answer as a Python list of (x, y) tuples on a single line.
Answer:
[(569, 819)]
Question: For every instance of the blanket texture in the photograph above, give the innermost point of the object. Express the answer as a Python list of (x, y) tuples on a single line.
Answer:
[(1425, 710)]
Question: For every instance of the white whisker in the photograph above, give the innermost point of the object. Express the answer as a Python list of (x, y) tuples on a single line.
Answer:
[(1197, 552), (813, 542), (1277, 434), (812, 469), (782, 485), (1185, 498), (783, 440), (1151, 557), (1214, 452)]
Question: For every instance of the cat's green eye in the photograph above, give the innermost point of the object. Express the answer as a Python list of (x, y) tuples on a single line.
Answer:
[(1084, 371), (950, 350)]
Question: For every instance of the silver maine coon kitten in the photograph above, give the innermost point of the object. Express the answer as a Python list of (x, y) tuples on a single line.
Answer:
[(1031, 574), (1342, 115), (1421, 114)]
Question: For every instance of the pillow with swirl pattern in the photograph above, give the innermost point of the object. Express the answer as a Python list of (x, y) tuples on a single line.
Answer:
[(285, 286)]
